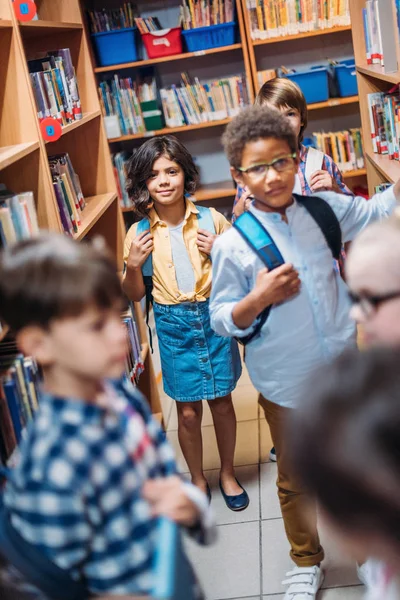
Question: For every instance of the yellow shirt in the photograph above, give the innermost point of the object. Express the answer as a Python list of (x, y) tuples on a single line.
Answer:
[(165, 287)]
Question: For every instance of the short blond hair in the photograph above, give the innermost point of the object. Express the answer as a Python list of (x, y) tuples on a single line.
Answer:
[(284, 93)]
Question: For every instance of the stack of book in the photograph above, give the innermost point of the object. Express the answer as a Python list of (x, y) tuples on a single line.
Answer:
[(274, 18), (193, 102), (67, 188), (345, 147), (113, 19), (134, 363), (147, 25), (18, 219), (372, 33), (19, 396), (119, 97), (264, 76), (120, 163), (55, 87), (384, 115), (203, 13)]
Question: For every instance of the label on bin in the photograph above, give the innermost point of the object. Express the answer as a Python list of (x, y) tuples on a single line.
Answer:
[(333, 102), (161, 42), (199, 53), (149, 134)]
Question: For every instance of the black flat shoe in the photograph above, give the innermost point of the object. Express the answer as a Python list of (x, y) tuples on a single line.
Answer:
[(235, 503)]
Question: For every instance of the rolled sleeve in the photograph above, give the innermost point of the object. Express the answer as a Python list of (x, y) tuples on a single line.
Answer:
[(230, 285)]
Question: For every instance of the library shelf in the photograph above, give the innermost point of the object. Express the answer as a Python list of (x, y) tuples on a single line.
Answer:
[(162, 59), (299, 36), (333, 102), (96, 206), (212, 191), (32, 28), (3, 332), (10, 154), (145, 350), (389, 169), (167, 130), (5, 23), (378, 72), (86, 117), (355, 173)]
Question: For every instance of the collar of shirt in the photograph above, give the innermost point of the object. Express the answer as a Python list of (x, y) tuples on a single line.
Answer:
[(155, 219)]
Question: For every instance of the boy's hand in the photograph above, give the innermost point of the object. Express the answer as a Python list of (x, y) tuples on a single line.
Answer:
[(320, 181), (142, 246), (168, 498), (277, 286), (243, 204), (205, 241)]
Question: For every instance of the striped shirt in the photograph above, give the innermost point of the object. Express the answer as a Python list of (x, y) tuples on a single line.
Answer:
[(76, 491)]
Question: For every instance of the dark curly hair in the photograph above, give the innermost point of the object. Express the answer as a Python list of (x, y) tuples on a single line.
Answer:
[(254, 123), (141, 165)]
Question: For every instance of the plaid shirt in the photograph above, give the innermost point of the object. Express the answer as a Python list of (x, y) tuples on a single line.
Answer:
[(327, 165), (76, 491)]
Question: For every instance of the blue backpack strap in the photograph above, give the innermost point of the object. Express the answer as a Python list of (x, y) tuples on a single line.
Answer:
[(206, 220), (147, 269), (147, 272), (258, 238)]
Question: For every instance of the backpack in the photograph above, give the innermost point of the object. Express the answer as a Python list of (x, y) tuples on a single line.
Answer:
[(260, 242), (206, 222)]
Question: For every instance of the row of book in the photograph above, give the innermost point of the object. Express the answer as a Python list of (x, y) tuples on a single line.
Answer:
[(120, 97), (264, 76), (384, 114), (120, 164), (55, 87), (193, 102), (148, 24), (345, 147), (203, 13), (275, 18), (18, 218), (372, 32), (19, 396), (68, 192), (134, 362), (112, 19)]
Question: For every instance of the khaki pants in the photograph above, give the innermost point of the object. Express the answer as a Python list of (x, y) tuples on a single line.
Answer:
[(298, 511)]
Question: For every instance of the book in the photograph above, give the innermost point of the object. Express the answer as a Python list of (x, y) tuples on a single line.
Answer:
[(120, 163), (203, 13), (68, 192), (134, 362), (112, 19), (384, 116), (120, 97), (345, 147), (18, 218)]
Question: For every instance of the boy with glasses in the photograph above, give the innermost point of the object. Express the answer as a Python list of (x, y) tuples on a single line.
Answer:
[(308, 323)]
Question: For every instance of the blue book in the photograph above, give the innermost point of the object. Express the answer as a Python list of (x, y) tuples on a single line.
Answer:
[(10, 391), (367, 36)]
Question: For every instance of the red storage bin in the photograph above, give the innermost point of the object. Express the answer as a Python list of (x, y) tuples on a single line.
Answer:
[(165, 42)]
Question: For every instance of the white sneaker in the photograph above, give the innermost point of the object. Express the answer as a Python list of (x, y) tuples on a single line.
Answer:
[(304, 583), (368, 573)]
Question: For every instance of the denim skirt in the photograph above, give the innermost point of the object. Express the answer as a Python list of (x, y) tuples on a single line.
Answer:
[(197, 363)]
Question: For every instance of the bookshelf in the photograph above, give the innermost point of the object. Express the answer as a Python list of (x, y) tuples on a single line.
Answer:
[(374, 78), (24, 154)]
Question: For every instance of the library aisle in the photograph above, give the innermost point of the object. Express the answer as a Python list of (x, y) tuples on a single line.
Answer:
[(250, 557)]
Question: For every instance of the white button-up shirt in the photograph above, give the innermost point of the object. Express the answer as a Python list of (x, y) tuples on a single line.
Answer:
[(313, 326)]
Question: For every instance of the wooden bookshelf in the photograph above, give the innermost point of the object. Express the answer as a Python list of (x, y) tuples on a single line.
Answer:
[(374, 78), (353, 174), (168, 130), (301, 36), (332, 102), (24, 155)]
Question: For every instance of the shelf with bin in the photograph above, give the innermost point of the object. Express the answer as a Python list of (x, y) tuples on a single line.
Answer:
[(167, 130), (332, 102), (300, 36)]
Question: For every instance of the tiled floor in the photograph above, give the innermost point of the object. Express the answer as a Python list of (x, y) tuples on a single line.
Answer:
[(250, 558)]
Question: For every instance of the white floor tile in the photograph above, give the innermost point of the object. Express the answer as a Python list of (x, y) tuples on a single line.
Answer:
[(270, 508), (265, 439), (249, 479), (231, 567)]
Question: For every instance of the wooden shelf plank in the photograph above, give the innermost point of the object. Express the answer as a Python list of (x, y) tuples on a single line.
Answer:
[(378, 72), (85, 119), (96, 206), (168, 130), (390, 169), (34, 28), (5, 23), (300, 36), (3, 332), (10, 154), (355, 173), (153, 61), (333, 102)]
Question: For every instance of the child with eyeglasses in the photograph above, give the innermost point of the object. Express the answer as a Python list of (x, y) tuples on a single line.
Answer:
[(308, 322)]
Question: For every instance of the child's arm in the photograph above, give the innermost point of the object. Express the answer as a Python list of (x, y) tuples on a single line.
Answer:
[(136, 251), (241, 203), (235, 306)]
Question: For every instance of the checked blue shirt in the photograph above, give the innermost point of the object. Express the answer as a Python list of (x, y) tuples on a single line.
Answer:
[(76, 491)]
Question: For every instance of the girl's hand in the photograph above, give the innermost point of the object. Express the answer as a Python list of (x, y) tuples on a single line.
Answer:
[(320, 181), (168, 498), (142, 246), (205, 241)]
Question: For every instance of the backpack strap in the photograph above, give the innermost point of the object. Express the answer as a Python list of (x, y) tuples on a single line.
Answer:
[(259, 240), (323, 214), (206, 220), (147, 272)]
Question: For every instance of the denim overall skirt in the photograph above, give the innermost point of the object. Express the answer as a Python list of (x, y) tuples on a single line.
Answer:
[(197, 363)]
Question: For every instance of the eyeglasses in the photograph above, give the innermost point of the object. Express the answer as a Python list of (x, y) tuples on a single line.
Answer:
[(280, 165), (370, 304)]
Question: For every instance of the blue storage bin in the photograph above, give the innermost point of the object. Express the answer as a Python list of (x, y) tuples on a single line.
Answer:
[(116, 47), (313, 83), (214, 36), (346, 79)]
